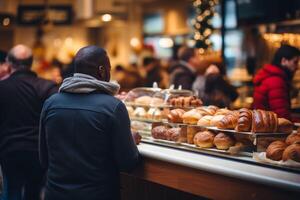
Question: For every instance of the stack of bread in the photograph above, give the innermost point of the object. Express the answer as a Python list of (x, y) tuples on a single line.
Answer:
[(285, 150)]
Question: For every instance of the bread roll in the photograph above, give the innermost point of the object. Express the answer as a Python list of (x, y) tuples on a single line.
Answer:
[(159, 132), (229, 121), (140, 112), (204, 139), (244, 122), (191, 117), (191, 132), (215, 120), (292, 152), (175, 116), (275, 150), (205, 121), (206, 110), (144, 100), (293, 138), (175, 134), (284, 126), (223, 141)]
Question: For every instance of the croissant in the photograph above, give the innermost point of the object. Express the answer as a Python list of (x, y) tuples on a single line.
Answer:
[(293, 138), (284, 126), (175, 115), (222, 111), (292, 152), (229, 121), (264, 121), (275, 150), (245, 120)]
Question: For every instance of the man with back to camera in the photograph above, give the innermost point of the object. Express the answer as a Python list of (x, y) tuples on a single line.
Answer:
[(184, 72), (22, 95), (85, 137), (272, 82)]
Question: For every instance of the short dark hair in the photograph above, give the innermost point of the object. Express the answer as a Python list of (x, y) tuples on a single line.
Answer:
[(88, 60), (185, 53), (285, 51)]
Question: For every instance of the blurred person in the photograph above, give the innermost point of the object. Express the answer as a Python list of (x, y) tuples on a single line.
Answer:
[(4, 67), (213, 88), (85, 137), (22, 98), (127, 79), (272, 82), (184, 72), (152, 71)]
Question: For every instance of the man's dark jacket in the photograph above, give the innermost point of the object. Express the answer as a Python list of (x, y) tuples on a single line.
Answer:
[(85, 141), (21, 100), (182, 75)]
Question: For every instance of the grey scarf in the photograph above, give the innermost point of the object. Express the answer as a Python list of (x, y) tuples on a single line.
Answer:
[(83, 83)]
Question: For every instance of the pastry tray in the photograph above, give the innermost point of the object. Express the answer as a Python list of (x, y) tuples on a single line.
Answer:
[(246, 157)]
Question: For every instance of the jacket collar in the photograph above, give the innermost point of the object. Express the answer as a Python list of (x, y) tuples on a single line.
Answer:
[(23, 73)]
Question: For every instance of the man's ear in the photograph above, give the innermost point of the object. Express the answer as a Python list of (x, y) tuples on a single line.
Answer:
[(284, 61)]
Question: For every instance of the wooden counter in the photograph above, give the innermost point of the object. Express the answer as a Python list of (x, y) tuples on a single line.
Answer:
[(173, 174)]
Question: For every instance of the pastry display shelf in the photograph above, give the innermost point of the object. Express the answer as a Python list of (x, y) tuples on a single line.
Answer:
[(133, 104), (144, 120), (213, 128)]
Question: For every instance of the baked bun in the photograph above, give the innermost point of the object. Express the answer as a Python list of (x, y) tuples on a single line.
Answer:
[(292, 152), (244, 122), (229, 121), (205, 121), (191, 117), (140, 112), (159, 132), (204, 139), (216, 119), (175, 116), (223, 141), (207, 110), (275, 150), (144, 100), (293, 138), (264, 121), (185, 101), (284, 126), (174, 134)]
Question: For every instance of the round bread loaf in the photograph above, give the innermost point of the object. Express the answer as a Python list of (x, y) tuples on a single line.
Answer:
[(204, 139), (159, 132), (223, 141)]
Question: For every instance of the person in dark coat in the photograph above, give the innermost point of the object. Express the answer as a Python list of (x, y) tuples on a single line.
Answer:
[(21, 99), (85, 137), (4, 67), (272, 82), (151, 66), (184, 72)]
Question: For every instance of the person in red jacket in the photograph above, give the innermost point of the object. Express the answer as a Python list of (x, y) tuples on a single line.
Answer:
[(272, 82)]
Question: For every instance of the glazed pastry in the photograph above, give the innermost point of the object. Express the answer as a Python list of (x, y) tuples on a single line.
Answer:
[(175, 116), (284, 126), (229, 121), (191, 117), (244, 122), (264, 121), (216, 119), (275, 150), (223, 141), (185, 101), (293, 138), (140, 112), (174, 134), (292, 152), (204, 139), (159, 132), (206, 110), (205, 121)]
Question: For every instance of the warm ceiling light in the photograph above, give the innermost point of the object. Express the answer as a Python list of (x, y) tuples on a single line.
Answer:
[(134, 42), (106, 17), (166, 42)]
